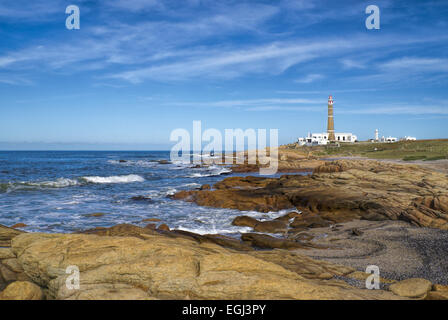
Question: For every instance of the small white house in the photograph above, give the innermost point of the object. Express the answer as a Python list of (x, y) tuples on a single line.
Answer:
[(406, 138), (389, 139)]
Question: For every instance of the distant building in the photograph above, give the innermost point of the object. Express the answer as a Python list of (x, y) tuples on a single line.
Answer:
[(330, 136), (406, 138), (389, 139)]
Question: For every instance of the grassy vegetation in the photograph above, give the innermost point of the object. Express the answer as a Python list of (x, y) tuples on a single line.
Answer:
[(406, 150)]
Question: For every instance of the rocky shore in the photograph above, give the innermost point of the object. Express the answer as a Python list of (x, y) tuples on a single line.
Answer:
[(129, 262), (344, 216)]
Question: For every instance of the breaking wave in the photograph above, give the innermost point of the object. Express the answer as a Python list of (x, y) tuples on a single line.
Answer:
[(211, 171), (65, 182), (114, 179)]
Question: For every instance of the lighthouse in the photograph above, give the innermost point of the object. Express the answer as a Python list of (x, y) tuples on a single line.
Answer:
[(330, 126)]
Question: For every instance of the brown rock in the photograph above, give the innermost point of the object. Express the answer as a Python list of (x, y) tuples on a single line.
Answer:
[(164, 227), (19, 225), (411, 288), (142, 198), (264, 241), (160, 267), (151, 220), (287, 217), (245, 221), (21, 290), (273, 226), (95, 214), (205, 187), (151, 226), (7, 234), (310, 221), (339, 191)]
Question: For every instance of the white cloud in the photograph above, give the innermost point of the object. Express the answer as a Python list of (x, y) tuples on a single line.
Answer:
[(310, 78), (417, 64)]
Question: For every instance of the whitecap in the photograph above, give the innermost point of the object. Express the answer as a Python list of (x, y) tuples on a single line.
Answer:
[(114, 179)]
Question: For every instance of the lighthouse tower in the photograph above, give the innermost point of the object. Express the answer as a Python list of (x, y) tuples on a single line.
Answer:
[(330, 126)]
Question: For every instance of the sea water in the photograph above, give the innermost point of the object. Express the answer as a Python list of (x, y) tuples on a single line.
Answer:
[(58, 191)]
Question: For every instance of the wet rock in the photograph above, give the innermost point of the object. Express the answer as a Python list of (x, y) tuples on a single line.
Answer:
[(142, 198), (287, 217), (411, 288), (273, 226), (245, 221), (205, 187), (7, 234), (163, 227), (95, 214), (164, 162), (18, 225), (264, 241), (151, 220), (122, 161), (309, 221), (151, 226), (339, 191)]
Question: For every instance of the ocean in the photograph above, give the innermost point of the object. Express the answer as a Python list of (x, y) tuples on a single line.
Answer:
[(63, 191)]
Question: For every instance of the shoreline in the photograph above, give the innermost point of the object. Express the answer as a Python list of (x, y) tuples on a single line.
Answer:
[(305, 243)]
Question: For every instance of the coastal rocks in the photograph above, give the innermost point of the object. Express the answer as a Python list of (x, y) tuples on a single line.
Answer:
[(94, 215), (21, 290), (339, 191), (18, 225), (273, 226), (163, 227), (161, 267), (6, 234), (142, 198), (411, 288), (309, 221), (151, 220), (264, 241), (245, 221), (440, 292)]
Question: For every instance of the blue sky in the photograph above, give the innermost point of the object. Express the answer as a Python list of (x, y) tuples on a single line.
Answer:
[(138, 69)]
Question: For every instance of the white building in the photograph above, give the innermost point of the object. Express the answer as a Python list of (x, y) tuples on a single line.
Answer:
[(389, 139), (313, 139), (406, 138)]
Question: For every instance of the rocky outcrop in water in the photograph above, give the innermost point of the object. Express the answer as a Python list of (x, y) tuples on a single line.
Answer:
[(340, 191)]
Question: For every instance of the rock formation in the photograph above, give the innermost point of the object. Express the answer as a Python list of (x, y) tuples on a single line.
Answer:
[(340, 191)]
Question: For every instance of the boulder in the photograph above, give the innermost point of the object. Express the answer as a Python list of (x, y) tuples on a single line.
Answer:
[(160, 267), (411, 288), (163, 227), (273, 226), (142, 198), (264, 241), (22, 290), (7, 234), (19, 225), (245, 221)]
